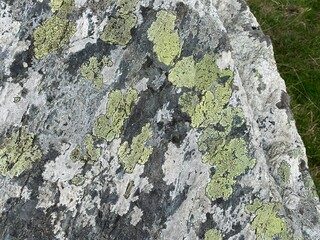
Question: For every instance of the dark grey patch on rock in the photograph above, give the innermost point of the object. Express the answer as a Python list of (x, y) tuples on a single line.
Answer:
[(99, 9), (205, 226), (224, 44), (285, 104), (256, 32), (188, 45), (262, 86), (3, 77), (24, 92), (21, 220), (35, 12), (51, 155), (108, 197), (223, 80), (97, 50), (125, 230), (9, 2), (157, 205), (81, 233), (182, 11), (239, 132), (30, 114), (149, 70), (112, 226), (139, 60), (150, 101)]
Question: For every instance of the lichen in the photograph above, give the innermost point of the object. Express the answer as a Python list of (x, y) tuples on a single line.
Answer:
[(231, 160), (266, 223), (90, 152), (109, 125), (165, 38), (62, 7), (18, 153), (126, 6), (78, 180), (202, 75), (284, 171), (207, 72), (207, 105), (137, 152), (55, 4), (92, 70), (118, 29), (204, 112), (183, 73), (56, 31), (213, 234)]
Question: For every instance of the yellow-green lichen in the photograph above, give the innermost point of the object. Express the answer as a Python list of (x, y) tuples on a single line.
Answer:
[(231, 160), (137, 152), (201, 75), (56, 31), (90, 152), (207, 72), (118, 29), (78, 180), (184, 72), (62, 7), (18, 153), (266, 223), (284, 172), (213, 234), (203, 112), (109, 125), (207, 107), (52, 35), (126, 6), (92, 70), (165, 38)]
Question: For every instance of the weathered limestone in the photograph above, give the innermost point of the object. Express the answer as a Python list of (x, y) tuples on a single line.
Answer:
[(128, 119)]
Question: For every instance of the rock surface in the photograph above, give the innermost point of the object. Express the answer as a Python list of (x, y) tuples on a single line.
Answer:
[(127, 119)]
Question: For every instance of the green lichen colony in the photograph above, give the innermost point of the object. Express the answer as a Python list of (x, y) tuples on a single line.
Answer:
[(109, 125), (207, 105), (118, 29), (89, 154), (213, 234), (92, 70), (267, 224), (165, 38), (18, 153), (137, 152), (56, 31)]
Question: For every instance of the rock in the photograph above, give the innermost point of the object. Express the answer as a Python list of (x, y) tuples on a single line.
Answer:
[(127, 119)]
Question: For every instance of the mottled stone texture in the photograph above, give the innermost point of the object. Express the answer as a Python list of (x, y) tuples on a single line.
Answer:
[(150, 119)]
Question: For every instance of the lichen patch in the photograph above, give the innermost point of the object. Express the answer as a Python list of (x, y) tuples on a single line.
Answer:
[(18, 153), (165, 38)]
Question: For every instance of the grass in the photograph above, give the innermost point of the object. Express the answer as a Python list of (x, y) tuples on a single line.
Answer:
[(294, 27)]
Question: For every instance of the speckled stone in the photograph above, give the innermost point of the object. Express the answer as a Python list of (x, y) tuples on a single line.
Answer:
[(150, 119)]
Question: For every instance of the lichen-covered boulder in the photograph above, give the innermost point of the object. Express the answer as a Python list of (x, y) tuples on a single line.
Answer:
[(150, 119)]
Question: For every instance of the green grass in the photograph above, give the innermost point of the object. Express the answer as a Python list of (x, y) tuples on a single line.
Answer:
[(294, 27)]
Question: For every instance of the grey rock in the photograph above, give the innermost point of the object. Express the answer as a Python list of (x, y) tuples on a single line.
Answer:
[(128, 119)]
